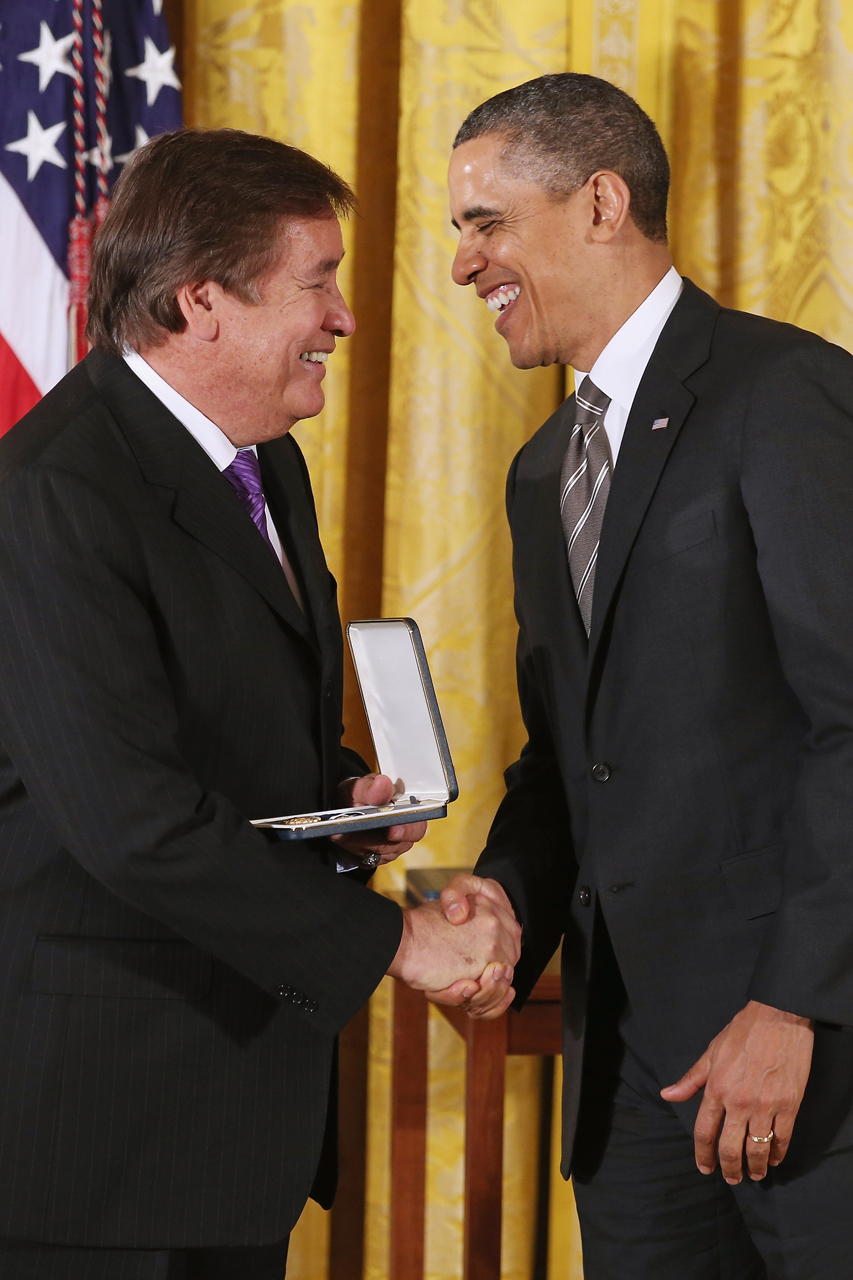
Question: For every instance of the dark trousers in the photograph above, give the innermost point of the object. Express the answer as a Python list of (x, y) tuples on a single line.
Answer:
[(646, 1213), (20, 1260)]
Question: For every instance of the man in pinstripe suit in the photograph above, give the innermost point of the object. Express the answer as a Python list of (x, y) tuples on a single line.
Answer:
[(170, 665)]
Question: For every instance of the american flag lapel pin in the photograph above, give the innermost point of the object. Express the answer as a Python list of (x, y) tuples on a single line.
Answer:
[(660, 424)]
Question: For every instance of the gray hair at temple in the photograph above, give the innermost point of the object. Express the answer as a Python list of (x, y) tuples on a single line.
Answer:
[(561, 129)]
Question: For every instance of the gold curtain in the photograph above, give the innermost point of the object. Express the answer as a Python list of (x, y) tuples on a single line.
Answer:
[(288, 69), (425, 413)]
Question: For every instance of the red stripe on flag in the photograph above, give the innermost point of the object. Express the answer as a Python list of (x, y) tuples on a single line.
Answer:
[(18, 392)]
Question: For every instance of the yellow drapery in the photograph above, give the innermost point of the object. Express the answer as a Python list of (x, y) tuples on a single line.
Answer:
[(751, 98), (288, 69)]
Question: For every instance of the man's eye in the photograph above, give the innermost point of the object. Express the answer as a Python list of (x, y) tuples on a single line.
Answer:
[(486, 226)]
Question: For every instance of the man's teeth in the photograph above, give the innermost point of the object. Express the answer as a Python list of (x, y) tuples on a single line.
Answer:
[(319, 357), (497, 301)]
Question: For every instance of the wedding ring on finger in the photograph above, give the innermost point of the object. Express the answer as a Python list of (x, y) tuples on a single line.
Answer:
[(753, 1138), (371, 860)]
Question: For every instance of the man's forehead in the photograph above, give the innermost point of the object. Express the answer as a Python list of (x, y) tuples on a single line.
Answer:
[(311, 246), (480, 184)]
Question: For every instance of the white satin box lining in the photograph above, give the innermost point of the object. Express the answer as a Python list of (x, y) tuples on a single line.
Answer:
[(407, 731)]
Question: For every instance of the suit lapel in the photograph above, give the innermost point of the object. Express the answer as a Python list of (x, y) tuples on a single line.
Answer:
[(642, 457), (683, 347), (286, 487), (288, 491), (206, 509), (204, 504)]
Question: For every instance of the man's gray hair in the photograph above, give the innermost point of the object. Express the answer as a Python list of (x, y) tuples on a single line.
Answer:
[(561, 129)]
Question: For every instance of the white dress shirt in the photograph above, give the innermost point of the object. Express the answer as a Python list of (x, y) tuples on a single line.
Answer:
[(620, 367), (212, 439)]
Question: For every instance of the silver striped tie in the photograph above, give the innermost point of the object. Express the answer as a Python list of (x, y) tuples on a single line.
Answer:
[(584, 486)]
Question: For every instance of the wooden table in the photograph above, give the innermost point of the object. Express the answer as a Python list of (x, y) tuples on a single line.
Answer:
[(535, 1030)]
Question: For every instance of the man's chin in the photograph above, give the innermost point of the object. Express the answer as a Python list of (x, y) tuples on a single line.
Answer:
[(524, 354), (307, 406), (523, 358)]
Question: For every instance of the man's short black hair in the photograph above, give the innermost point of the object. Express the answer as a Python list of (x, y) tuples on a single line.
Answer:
[(561, 129)]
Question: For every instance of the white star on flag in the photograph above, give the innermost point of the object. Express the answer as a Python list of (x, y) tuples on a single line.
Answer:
[(51, 56), (39, 146), (157, 70), (158, 7), (141, 139), (94, 156)]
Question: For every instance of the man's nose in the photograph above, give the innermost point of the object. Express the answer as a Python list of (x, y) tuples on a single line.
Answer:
[(339, 319), (467, 264)]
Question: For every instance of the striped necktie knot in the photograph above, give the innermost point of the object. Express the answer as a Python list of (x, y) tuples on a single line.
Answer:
[(584, 486)]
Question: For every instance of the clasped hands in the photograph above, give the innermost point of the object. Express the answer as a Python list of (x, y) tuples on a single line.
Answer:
[(461, 951)]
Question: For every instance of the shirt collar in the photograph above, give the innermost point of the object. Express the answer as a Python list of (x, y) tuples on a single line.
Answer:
[(212, 439), (620, 367)]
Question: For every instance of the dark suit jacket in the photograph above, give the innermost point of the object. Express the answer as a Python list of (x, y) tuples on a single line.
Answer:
[(172, 980), (716, 688)]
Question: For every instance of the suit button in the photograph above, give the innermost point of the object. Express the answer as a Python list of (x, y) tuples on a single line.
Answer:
[(285, 992), (584, 896), (601, 771)]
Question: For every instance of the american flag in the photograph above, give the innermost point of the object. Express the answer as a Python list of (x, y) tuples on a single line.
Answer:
[(82, 83)]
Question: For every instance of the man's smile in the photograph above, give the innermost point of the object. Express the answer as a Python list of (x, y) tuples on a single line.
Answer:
[(502, 296), (315, 361)]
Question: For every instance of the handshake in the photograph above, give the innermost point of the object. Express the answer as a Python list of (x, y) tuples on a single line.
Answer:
[(462, 950)]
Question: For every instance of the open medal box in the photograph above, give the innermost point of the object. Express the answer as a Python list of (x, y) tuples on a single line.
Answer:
[(408, 735)]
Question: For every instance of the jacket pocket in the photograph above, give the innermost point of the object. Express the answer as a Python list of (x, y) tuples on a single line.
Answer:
[(681, 534), (123, 968), (754, 881), (689, 532)]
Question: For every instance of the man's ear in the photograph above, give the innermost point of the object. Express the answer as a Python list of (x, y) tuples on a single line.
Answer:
[(611, 202), (199, 307)]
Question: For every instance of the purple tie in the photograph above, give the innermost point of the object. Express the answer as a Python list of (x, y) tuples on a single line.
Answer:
[(244, 474)]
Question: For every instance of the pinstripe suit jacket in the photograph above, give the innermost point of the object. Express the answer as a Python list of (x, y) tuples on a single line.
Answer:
[(172, 980)]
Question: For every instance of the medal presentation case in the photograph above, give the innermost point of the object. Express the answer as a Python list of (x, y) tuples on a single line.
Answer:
[(408, 736)]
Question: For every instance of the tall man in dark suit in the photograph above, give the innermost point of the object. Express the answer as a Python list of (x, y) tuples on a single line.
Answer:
[(170, 667), (683, 810)]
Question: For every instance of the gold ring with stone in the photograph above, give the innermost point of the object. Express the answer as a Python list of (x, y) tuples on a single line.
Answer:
[(753, 1138)]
